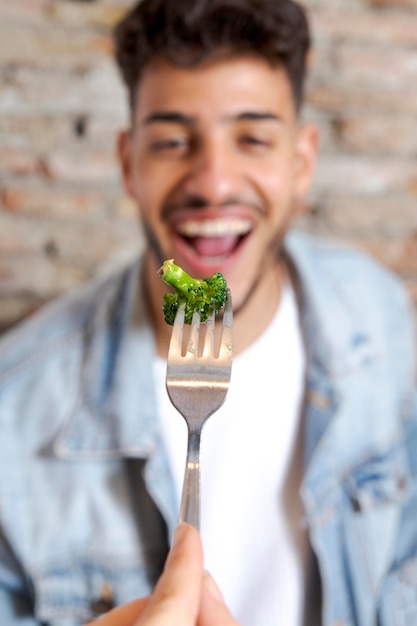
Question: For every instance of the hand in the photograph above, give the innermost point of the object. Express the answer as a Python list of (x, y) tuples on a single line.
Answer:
[(183, 596)]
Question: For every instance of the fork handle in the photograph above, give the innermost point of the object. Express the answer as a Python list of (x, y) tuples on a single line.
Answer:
[(190, 499)]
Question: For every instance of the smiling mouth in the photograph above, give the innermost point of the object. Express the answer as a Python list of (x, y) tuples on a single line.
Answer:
[(214, 239)]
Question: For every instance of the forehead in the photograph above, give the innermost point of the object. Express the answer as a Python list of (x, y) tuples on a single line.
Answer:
[(222, 87)]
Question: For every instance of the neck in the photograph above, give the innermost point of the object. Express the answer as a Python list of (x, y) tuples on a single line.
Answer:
[(249, 322), (257, 312)]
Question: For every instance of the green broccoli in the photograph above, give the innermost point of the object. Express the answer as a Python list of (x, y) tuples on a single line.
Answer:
[(198, 294)]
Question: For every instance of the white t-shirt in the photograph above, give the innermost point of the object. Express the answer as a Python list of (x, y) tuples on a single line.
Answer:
[(255, 545)]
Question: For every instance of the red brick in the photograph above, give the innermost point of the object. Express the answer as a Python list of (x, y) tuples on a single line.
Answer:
[(82, 167), (353, 173), (400, 255), (16, 308), (362, 65), (87, 246), (379, 135), (28, 12), (16, 238), (49, 90), (38, 276), (87, 15), (366, 215), (46, 132), (53, 46), (395, 4), (35, 132), (46, 201), (363, 26), (15, 161), (127, 209), (340, 97)]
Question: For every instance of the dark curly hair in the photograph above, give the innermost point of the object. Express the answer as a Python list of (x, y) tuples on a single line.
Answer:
[(187, 32)]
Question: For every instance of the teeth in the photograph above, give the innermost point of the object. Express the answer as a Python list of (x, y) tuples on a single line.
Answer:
[(215, 228)]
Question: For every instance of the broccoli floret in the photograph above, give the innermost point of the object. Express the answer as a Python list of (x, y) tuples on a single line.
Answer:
[(198, 294)]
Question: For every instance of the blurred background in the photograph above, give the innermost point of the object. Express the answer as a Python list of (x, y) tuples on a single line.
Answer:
[(63, 215)]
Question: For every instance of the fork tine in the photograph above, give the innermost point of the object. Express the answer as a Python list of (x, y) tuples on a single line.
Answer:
[(226, 339), (192, 346), (209, 336), (175, 344)]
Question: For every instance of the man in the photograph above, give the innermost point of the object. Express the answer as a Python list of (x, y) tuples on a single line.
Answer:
[(308, 469)]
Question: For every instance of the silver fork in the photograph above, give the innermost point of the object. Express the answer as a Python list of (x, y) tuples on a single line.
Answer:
[(197, 385)]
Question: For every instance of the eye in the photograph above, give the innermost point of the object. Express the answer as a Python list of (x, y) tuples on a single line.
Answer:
[(168, 145), (255, 142)]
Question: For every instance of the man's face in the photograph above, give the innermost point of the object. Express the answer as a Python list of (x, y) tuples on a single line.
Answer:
[(218, 165)]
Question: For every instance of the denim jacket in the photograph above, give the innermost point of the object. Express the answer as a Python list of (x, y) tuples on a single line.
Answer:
[(86, 497)]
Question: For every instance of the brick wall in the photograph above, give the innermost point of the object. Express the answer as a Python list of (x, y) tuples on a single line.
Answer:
[(63, 217)]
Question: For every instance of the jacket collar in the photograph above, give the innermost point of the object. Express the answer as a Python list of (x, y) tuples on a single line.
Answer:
[(114, 414), (341, 338), (348, 357)]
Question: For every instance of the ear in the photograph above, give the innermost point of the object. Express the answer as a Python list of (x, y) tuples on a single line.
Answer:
[(124, 154), (305, 161)]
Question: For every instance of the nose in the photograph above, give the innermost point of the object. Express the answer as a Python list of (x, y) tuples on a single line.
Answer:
[(214, 173)]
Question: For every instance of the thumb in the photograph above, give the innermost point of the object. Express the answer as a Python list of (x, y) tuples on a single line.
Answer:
[(176, 597), (213, 609)]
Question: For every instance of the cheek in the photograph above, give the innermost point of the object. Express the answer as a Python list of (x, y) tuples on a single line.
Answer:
[(277, 185), (154, 182), (148, 189)]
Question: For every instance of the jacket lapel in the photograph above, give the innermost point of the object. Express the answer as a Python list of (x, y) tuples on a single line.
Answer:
[(356, 473), (115, 415)]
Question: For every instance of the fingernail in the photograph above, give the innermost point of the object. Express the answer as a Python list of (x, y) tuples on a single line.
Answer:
[(180, 533), (211, 586)]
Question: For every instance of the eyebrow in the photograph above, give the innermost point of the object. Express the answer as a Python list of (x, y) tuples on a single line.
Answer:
[(174, 117), (257, 116), (169, 117)]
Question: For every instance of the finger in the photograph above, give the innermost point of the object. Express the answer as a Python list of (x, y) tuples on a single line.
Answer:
[(125, 615), (176, 599), (213, 609)]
